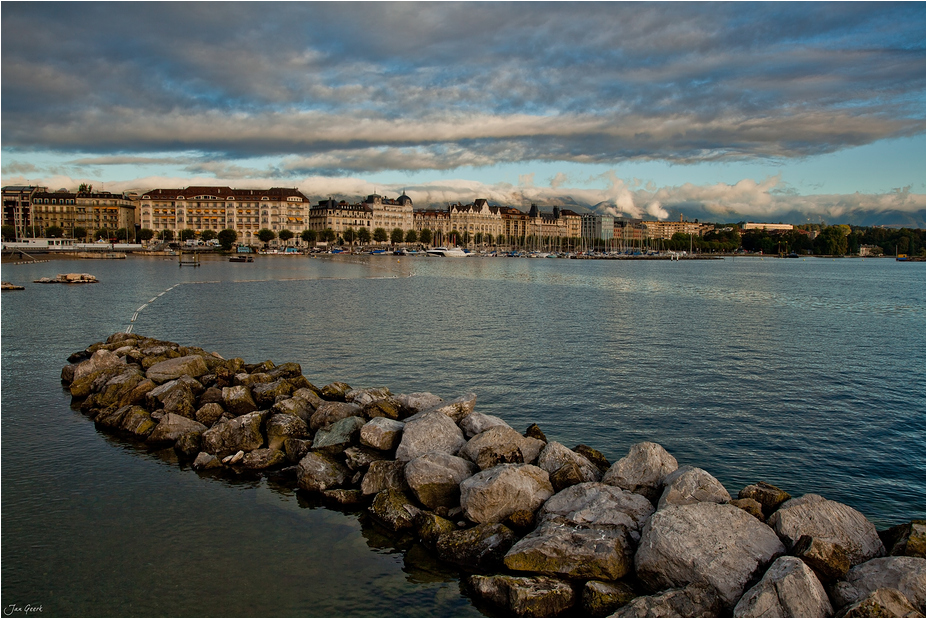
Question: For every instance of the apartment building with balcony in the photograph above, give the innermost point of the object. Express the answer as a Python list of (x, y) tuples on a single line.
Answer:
[(216, 208)]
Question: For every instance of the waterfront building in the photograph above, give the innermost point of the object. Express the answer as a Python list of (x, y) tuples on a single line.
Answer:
[(390, 214), (490, 225), (339, 216), (666, 229), (630, 231), (216, 208), (768, 227), (91, 210), (598, 226), (17, 208)]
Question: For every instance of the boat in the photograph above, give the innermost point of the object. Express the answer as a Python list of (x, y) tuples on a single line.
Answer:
[(241, 259), (10, 286), (445, 252)]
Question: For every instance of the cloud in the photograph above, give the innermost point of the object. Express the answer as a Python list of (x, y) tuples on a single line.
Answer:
[(407, 87)]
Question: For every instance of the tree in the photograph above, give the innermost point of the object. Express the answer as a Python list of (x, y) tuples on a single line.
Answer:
[(266, 236), (478, 238), (166, 235), (8, 232), (54, 232), (465, 238), (327, 235), (208, 235), (396, 236), (454, 236), (145, 234), (102, 233), (426, 236), (349, 235), (227, 238), (380, 235), (832, 241), (187, 234), (121, 234), (285, 235), (363, 234), (308, 236), (84, 188), (411, 236), (500, 240), (80, 232)]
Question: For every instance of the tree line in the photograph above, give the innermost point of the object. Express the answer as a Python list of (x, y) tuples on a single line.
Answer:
[(819, 239)]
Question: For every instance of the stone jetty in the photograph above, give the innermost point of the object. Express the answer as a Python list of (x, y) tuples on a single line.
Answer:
[(537, 529)]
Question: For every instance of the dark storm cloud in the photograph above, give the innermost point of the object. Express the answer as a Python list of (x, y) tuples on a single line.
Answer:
[(358, 87)]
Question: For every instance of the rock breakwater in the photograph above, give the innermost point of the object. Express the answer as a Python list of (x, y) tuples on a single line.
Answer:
[(536, 528)]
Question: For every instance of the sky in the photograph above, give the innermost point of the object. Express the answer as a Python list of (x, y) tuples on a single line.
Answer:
[(793, 112)]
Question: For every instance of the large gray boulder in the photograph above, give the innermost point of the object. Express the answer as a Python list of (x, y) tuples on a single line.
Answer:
[(719, 545), (554, 549), (264, 458), (696, 600), (209, 413), (501, 445), (282, 426), (172, 427), (170, 369), (906, 574), (116, 391), (789, 588), (480, 547), (85, 372), (363, 397), (458, 408), (494, 494), (337, 437), (382, 475), (238, 400), (689, 484), (538, 596), (475, 423), (382, 433), (297, 406), (840, 524), (427, 432), (595, 504), (435, 477), (413, 403), (556, 455), (328, 413), (239, 434), (642, 470), (266, 394), (318, 472), (394, 509), (882, 603)]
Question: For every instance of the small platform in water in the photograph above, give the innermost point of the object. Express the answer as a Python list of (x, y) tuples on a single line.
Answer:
[(9, 286), (69, 278)]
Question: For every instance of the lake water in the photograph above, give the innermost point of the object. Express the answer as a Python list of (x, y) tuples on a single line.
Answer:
[(808, 374)]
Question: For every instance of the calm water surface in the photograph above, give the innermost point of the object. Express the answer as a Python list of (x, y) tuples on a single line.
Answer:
[(809, 374)]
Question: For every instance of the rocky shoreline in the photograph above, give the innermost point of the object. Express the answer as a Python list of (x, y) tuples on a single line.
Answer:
[(537, 529)]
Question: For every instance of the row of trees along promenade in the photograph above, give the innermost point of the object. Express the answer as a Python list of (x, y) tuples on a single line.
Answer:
[(805, 239)]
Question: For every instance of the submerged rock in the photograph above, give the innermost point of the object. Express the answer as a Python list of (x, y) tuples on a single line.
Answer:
[(480, 547), (537, 596)]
